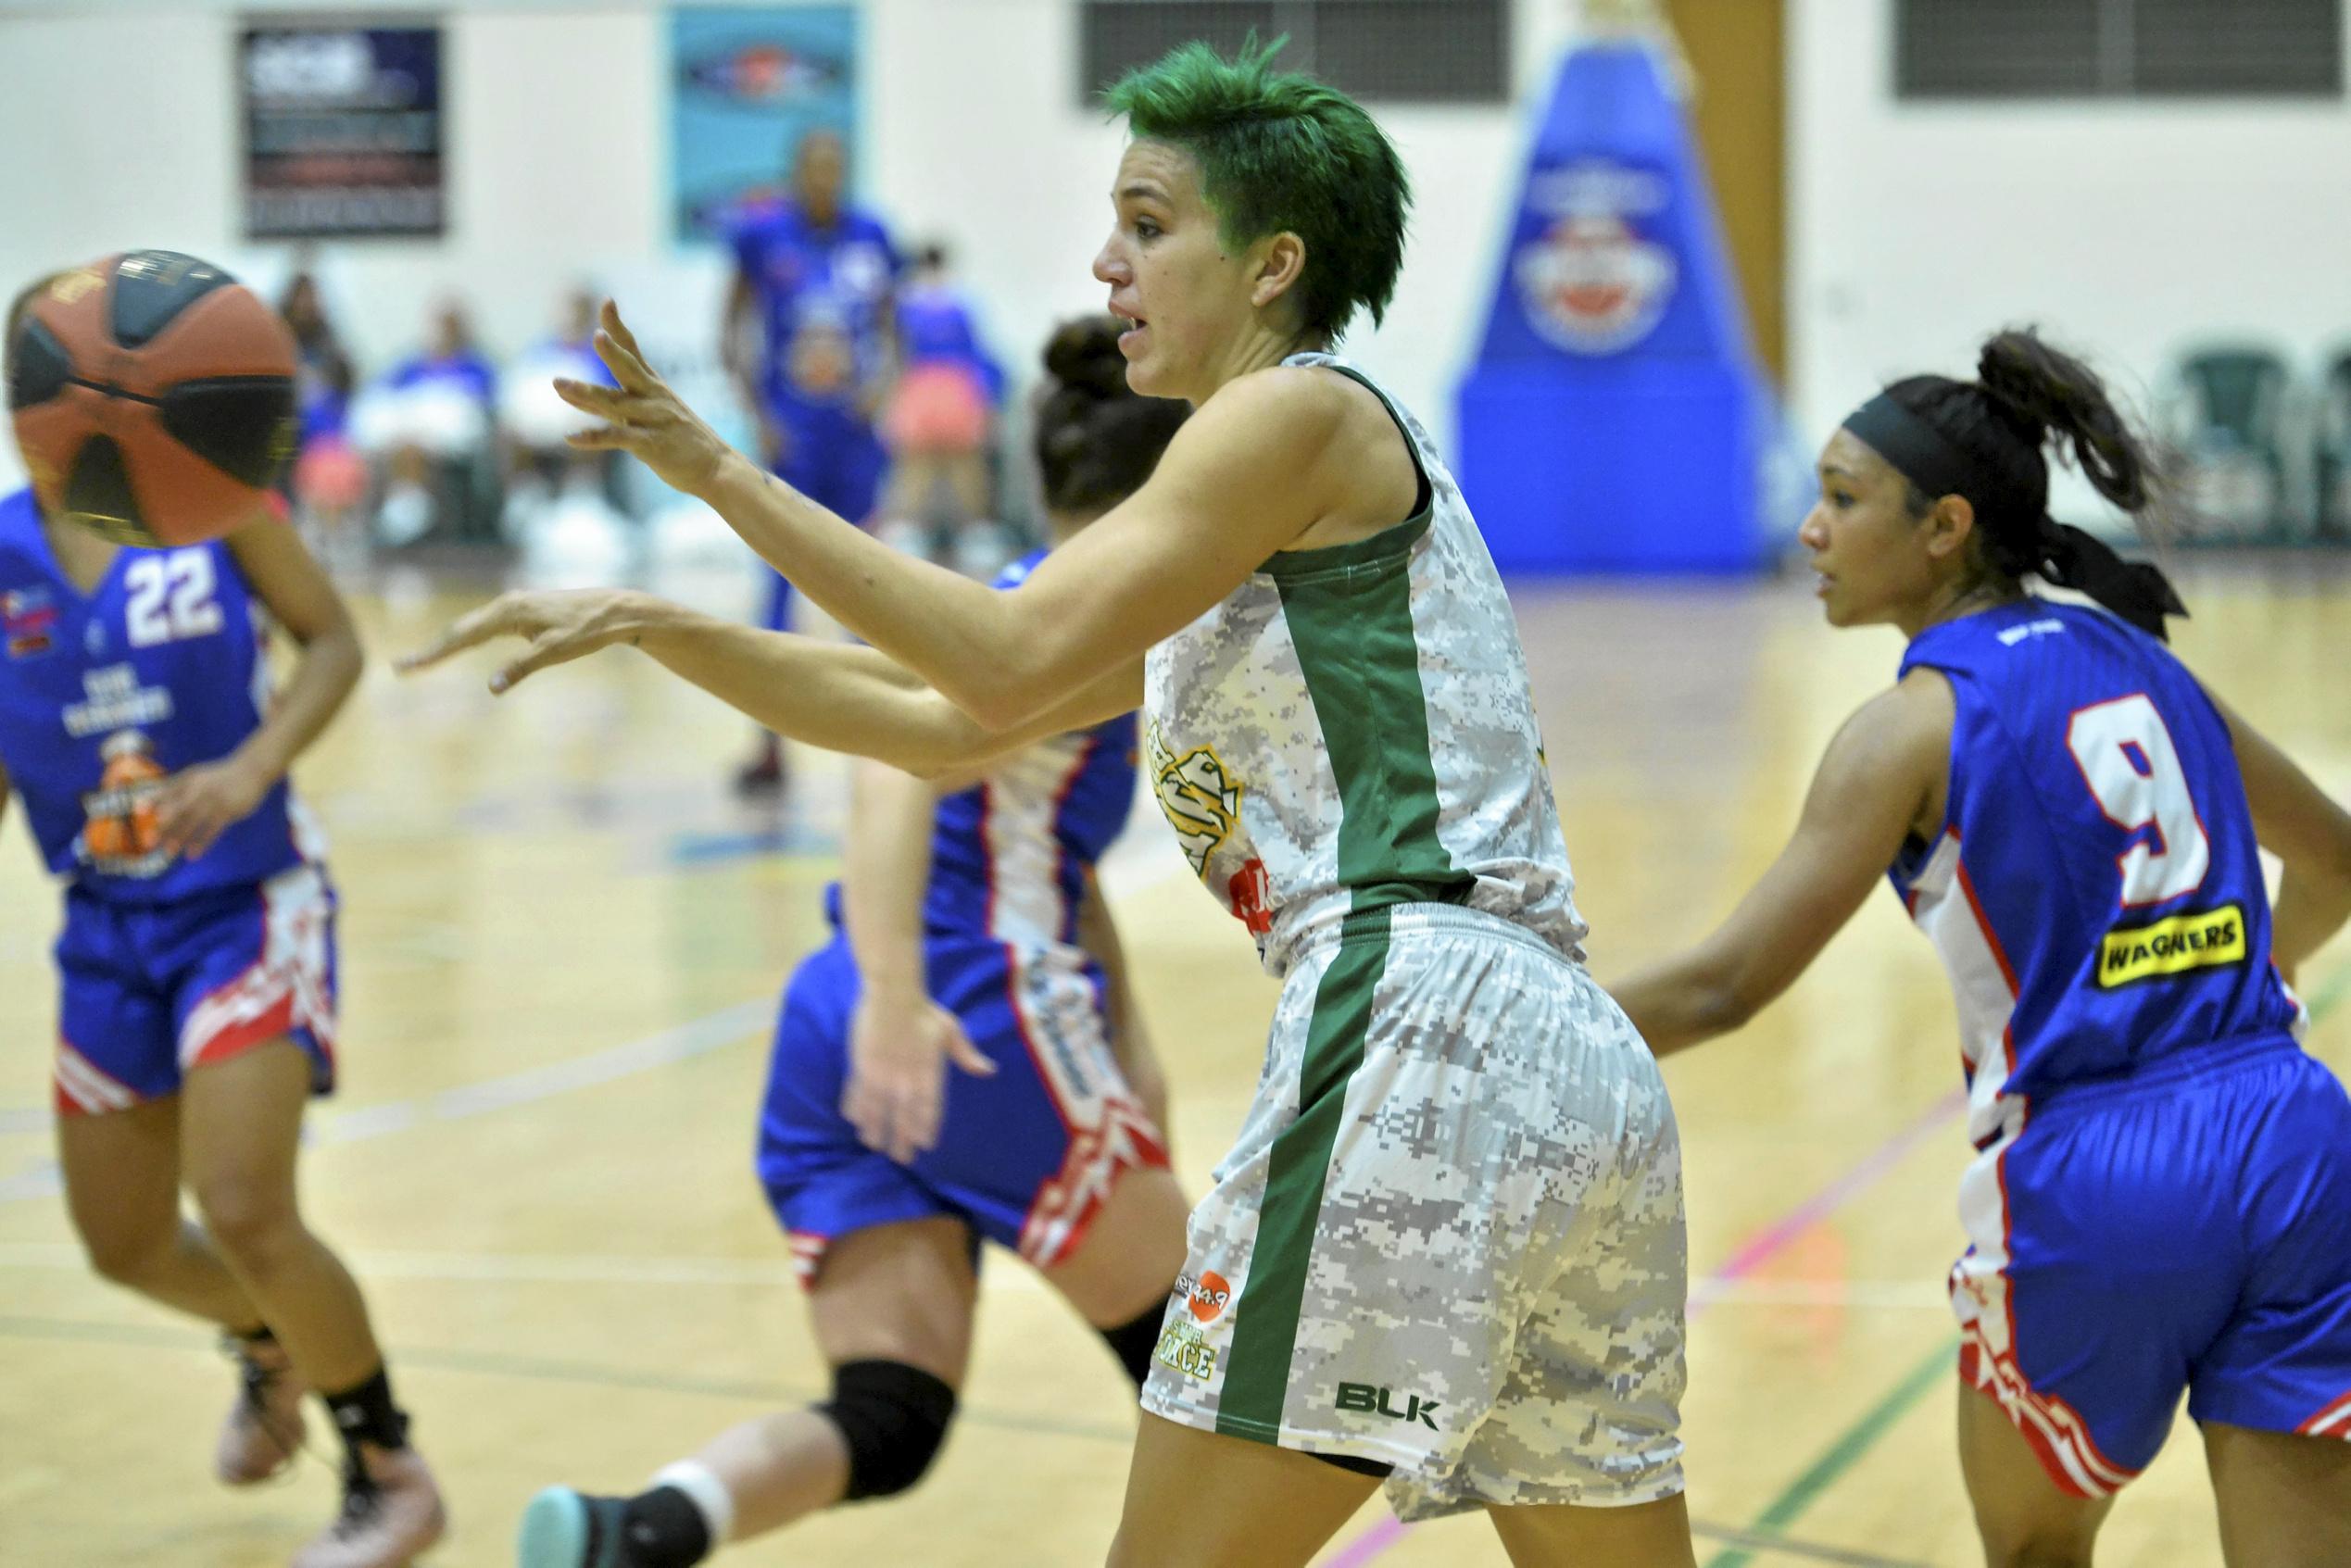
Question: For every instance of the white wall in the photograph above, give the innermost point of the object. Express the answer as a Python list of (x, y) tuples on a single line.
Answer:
[(557, 129), (2132, 228)]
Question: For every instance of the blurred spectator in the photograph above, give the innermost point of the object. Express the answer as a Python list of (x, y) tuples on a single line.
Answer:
[(329, 478), (816, 277), (428, 423), (535, 422), (941, 415)]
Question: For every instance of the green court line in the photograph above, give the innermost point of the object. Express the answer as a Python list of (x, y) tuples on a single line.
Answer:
[(1936, 1370), (2324, 1000)]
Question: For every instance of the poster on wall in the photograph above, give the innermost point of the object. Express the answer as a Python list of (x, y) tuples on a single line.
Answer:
[(747, 83), (342, 131)]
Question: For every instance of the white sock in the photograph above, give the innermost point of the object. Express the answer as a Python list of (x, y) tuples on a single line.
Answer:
[(708, 1493)]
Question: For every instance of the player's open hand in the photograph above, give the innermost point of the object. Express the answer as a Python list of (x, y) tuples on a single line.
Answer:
[(196, 805), (642, 416), (560, 624), (899, 1050)]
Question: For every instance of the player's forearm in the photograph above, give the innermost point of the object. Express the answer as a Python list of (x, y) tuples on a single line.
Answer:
[(324, 677), (1681, 1003), (886, 869), (2311, 908), (841, 698), (961, 636)]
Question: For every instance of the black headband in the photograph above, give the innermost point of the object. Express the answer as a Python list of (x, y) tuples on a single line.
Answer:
[(2065, 556), (1931, 460)]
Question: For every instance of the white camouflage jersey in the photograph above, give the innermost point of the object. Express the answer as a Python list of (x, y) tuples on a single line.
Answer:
[(1351, 729)]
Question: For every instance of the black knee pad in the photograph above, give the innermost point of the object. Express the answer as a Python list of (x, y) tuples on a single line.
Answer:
[(894, 1417)]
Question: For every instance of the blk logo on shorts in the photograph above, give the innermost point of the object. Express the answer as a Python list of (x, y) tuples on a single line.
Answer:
[(1366, 1397)]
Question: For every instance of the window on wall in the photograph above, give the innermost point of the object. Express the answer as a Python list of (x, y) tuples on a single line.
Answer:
[(2118, 48), (1389, 51)]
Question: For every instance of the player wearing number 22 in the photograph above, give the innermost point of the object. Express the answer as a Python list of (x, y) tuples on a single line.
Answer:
[(2161, 1198), (196, 964)]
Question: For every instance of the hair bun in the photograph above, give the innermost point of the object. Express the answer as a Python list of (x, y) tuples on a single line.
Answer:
[(2014, 370), (1083, 356)]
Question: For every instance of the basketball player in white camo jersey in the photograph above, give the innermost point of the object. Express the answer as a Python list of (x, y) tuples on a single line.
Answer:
[(1447, 1247)]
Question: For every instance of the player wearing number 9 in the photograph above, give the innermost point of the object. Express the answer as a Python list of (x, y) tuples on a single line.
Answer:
[(2161, 1199), (196, 1011)]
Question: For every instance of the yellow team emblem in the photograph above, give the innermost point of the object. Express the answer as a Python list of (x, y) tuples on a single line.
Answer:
[(1198, 796)]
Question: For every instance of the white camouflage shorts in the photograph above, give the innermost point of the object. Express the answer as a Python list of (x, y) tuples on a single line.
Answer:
[(1450, 1238)]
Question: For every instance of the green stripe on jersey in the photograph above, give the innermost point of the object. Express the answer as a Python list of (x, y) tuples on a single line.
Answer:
[(1266, 1318), (1352, 627)]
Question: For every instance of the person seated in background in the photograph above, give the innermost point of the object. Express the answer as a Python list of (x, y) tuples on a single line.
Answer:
[(328, 480), (939, 423), (428, 423), (534, 423)]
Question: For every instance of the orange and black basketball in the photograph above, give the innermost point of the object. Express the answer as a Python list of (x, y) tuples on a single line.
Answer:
[(152, 397)]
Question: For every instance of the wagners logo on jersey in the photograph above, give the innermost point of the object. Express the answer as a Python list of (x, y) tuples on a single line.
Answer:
[(1592, 283), (2206, 939)]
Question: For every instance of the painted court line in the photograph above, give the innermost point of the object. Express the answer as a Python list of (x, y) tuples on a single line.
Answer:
[(1935, 1372), (696, 1038)]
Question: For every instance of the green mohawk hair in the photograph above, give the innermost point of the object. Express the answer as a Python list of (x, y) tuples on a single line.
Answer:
[(1278, 150)]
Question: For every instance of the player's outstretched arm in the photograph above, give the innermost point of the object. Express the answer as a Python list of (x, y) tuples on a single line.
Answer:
[(2298, 823), (1876, 780), (1251, 473), (841, 697), (196, 805)]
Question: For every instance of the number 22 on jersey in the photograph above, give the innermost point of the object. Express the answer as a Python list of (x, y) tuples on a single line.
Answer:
[(171, 597), (2127, 758)]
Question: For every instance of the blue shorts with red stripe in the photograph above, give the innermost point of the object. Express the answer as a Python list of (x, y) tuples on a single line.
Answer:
[(1025, 1156), (150, 992), (2184, 1230)]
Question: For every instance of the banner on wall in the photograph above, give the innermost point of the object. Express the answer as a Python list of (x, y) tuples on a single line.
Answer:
[(343, 131), (1616, 420), (746, 84)]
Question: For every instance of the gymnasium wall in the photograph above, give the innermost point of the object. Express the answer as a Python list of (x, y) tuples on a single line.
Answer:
[(557, 123), (2133, 229)]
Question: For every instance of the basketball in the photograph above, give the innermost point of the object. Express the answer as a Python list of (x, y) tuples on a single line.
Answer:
[(152, 397)]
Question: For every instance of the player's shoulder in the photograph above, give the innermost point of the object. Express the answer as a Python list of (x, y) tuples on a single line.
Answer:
[(1287, 403), (1903, 730)]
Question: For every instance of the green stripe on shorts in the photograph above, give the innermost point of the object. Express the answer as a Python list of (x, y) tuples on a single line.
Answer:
[(1266, 1318)]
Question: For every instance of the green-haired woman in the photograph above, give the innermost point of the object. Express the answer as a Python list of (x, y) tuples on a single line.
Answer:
[(1447, 1247)]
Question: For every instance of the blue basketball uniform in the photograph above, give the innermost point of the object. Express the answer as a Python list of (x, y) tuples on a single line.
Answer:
[(166, 963), (2161, 1199), (807, 281), (1025, 1156)]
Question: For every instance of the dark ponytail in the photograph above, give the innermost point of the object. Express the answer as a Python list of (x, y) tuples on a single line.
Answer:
[(2027, 393), (1097, 442)]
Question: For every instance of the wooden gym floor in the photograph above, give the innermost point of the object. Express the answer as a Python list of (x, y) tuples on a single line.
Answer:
[(562, 945)]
